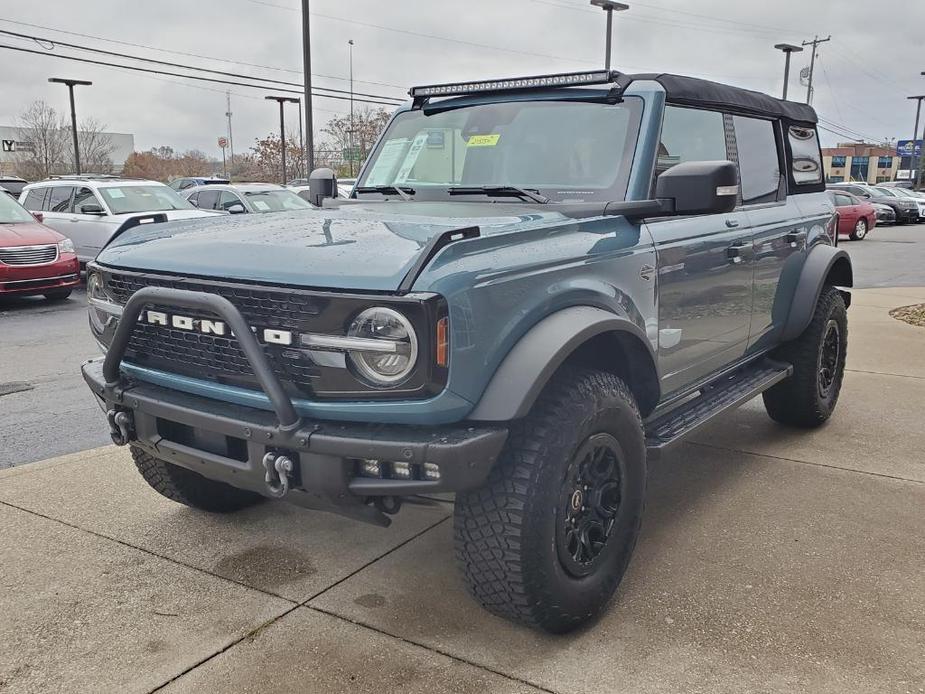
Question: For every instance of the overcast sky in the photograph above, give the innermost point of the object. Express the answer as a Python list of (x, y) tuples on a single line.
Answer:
[(863, 74)]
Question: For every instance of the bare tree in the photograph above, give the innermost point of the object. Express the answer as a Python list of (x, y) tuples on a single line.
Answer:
[(96, 147), (42, 143), (340, 137)]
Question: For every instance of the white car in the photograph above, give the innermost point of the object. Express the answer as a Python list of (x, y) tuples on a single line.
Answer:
[(344, 188), (245, 198), (90, 210)]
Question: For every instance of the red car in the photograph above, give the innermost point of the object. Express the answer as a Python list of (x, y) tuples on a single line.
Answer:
[(856, 217), (33, 258)]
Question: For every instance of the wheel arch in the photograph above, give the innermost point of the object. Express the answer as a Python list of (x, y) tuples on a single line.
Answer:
[(579, 335), (824, 265)]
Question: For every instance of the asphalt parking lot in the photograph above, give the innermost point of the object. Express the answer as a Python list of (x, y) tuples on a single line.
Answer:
[(770, 560)]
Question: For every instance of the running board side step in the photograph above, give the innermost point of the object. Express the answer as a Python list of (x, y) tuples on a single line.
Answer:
[(715, 399)]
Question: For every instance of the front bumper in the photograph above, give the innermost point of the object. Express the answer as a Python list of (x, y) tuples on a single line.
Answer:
[(910, 215), (231, 443), (23, 280)]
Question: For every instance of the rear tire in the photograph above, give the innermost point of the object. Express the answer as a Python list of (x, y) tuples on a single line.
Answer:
[(860, 230), (808, 398), (58, 295), (190, 488), (547, 539)]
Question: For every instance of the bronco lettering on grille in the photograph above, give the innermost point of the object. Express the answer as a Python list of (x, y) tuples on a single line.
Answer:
[(214, 327)]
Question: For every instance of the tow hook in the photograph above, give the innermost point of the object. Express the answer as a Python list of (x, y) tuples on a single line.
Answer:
[(121, 426), (278, 467)]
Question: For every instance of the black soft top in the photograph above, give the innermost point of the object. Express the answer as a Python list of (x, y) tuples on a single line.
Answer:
[(691, 91)]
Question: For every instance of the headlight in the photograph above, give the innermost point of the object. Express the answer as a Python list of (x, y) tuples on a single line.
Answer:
[(66, 246), (387, 346), (104, 312)]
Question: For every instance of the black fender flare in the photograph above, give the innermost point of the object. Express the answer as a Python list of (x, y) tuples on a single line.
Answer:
[(530, 364), (817, 267)]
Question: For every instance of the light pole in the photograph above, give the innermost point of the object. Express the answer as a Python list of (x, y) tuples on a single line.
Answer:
[(70, 88), (787, 48), (913, 160), (350, 49), (609, 6), (307, 79), (281, 100)]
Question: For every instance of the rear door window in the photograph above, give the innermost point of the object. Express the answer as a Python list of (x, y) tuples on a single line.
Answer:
[(759, 163), (690, 135), (208, 199), (60, 200), (843, 201)]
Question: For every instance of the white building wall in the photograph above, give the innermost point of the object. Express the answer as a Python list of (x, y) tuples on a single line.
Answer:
[(123, 145)]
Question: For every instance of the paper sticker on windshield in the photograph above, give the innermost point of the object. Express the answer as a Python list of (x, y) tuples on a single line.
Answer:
[(483, 140), (115, 193), (260, 205), (387, 161), (414, 151)]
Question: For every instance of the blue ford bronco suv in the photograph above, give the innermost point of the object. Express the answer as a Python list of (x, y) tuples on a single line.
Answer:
[(536, 285)]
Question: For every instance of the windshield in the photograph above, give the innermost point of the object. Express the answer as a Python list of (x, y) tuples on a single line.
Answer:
[(276, 201), (568, 151), (129, 199), (11, 212)]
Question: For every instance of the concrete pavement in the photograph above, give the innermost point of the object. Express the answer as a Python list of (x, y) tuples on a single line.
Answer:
[(770, 560)]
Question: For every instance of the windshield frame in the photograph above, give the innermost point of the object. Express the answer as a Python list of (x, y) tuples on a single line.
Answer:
[(560, 194), (104, 192)]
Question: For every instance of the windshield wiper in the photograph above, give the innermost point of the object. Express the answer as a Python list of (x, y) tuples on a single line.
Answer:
[(405, 192), (533, 195)]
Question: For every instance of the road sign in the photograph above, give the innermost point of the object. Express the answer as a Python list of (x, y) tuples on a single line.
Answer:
[(352, 153), (223, 142), (909, 148)]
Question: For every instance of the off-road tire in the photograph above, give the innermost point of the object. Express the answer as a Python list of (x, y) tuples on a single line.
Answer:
[(506, 531), (57, 295), (860, 230), (189, 488), (799, 400)]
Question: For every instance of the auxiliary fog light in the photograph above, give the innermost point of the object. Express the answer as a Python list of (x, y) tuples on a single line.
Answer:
[(401, 471), (370, 468), (431, 471)]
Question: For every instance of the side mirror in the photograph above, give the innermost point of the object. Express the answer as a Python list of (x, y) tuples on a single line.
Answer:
[(322, 183), (699, 187), (91, 208), (237, 208), (39, 217)]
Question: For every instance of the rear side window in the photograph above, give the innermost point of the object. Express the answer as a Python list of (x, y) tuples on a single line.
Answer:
[(35, 199), (690, 135), (60, 200), (807, 159), (759, 163), (207, 199), (843, 200)]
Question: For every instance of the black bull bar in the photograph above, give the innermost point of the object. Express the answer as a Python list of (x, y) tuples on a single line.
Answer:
[(312, 463)]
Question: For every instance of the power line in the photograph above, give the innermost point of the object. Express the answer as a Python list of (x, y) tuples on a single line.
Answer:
[(189, 77), (185, 67), (193, 55)]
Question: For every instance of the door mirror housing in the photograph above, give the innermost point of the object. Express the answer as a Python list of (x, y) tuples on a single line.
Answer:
[(236, 208), (699, 187), (322, 183), (92, 208), (39, 217)]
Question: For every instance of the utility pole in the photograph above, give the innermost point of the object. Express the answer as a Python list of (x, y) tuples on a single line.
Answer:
[(913, 159), (301, 143), (350, 139), (307, 76), (609, 6), (70, 88), (812, 64), (282, 100), (228, 116), (787, 48)]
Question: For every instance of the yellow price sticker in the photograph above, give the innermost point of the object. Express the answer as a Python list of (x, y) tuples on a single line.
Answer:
[(483, 140)]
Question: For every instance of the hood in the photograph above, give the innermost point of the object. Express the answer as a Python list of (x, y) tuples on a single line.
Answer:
[(27, 234), (366, 247)]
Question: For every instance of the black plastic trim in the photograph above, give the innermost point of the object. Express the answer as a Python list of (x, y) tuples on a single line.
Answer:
[(433, 247), (819, 262)]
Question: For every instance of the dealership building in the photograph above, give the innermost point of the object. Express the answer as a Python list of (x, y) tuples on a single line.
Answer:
[(869, 163), (12, 146)]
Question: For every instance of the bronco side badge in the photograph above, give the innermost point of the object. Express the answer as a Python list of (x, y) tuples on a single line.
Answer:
[(646, 272)]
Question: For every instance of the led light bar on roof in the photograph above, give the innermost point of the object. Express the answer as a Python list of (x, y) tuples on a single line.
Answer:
[(567, 79)]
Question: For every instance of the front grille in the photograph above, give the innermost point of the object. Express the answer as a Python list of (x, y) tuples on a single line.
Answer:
[(29, 255), (220, 358)]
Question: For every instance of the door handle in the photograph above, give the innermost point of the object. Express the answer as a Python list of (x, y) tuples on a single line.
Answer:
[(74, 219), (795, 238), (732, 223), (740, 251)]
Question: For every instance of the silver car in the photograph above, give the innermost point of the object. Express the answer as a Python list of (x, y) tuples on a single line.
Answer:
[(90, 210), (246, 198)]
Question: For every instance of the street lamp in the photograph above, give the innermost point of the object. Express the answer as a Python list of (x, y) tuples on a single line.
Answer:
[(282, 127), (70, 88), (609, 6), (350, 49), (787, 48), (913, 169)]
